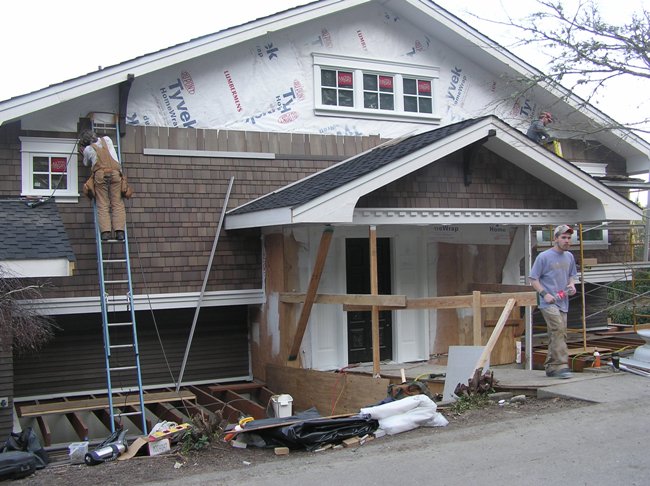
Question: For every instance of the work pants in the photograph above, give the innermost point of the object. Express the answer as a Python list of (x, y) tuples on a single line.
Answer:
[(558, 352), (108, 197)]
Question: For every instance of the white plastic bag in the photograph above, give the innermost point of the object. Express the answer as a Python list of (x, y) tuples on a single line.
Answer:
[(406, 414)]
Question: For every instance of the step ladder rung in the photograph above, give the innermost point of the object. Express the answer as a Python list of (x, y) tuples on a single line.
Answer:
[(117, 346), (115, 261), (123, 368), (115, 281), (116, 324)]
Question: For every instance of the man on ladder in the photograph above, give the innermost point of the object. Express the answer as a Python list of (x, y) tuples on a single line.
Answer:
[(107, 179), (537, 133)]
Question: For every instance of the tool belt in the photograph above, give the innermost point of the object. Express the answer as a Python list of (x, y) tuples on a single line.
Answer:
[(108, 164)]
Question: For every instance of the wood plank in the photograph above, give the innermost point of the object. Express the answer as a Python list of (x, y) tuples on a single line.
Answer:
[(323, 249), (78, 425), (100, 403), (499, 300), (452, 302), (247, 406), (45, 430), (331, 393), (374, 290), (476, 318), (364, 300), (495, 334)]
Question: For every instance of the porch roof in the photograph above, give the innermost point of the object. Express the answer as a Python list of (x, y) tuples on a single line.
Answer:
[(330, 196), (34, 241)]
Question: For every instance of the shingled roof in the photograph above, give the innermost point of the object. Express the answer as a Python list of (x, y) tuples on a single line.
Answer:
[(320, 183), (32, 233)]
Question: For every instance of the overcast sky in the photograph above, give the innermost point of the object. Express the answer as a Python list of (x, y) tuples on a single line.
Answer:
[(45, 41)]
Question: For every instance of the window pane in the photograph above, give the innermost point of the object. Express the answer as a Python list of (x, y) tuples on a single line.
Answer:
[(386, 83), (41, 181), (41, 164), (410, 104), (370, 82), (328, 78), (424, 88), (60, 181), (409, 86), (329, 96), (59, 164), (425, 105), (370, 100), (344, 79), (345, 98), (386, 102)]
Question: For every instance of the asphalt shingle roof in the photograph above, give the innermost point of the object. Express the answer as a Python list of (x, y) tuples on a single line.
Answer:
[(32, 232), (338, 175)]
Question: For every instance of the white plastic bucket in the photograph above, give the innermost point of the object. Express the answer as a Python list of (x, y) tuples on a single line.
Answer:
[(282, 405)]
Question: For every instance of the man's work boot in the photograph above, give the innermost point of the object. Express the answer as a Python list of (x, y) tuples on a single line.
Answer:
[(119, 235), (106, 235)]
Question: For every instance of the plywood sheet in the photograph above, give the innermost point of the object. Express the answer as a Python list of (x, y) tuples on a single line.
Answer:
[(331, 393)]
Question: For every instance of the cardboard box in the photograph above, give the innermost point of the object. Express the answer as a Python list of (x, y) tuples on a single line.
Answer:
[(159, 447)]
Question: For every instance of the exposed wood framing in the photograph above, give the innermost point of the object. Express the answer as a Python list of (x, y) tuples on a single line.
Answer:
[(374, 290), (355, 301), (323, 249), (477, 318), (99, 403)]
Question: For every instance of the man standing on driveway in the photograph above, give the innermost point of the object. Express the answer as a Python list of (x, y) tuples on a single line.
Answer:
[(553, 276)]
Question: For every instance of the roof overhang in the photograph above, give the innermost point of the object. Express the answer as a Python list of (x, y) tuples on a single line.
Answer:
[(19, 106), (595, 201)]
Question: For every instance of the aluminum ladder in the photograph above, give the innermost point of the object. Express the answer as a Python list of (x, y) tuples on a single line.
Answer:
[(121, 349)]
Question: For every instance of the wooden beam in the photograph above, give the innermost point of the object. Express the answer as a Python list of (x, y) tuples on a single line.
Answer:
[(105, 418), (247, 406), (165, 412), (499, 300), (495, 335), (323, 249), (78, 425), (374, 290), (477, 321), (45, 430), (365, 300)]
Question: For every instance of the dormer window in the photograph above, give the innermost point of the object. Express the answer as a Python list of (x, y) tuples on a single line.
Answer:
[(366, 88)]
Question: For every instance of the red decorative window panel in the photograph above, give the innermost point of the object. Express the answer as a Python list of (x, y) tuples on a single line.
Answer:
[(345, 79), (386, 82), (58, 164), (424, 87)]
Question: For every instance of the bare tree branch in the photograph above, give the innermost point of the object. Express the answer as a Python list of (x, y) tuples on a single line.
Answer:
[(21, 326)]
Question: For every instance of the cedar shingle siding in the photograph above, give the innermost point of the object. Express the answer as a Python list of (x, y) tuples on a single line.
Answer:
[(495, 183)]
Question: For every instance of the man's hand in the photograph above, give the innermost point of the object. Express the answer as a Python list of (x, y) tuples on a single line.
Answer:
[(571, 289), (548, 298)]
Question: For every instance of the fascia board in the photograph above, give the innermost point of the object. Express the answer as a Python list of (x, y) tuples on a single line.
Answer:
[(38, 268), (546, 166), (511, 62), (67, 90), (257, 219), (338, 206), (184, 300)]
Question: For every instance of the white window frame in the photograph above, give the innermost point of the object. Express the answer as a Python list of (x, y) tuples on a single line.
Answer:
[(360, 66), (49, 147), (602, 244)]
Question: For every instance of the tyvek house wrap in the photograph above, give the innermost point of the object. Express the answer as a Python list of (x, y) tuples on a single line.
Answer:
[(267, 84)]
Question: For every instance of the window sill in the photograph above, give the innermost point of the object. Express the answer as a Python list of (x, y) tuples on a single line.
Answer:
[(377, 115)]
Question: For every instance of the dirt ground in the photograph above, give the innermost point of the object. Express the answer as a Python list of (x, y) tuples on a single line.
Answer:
[(220, 455)]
